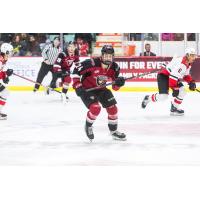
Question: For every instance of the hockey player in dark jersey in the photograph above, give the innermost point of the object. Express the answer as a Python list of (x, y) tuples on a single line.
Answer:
[(62, 68), (93, 73)]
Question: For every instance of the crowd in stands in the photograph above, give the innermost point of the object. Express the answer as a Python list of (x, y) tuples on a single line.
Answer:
[(164, 36), (32, 44)]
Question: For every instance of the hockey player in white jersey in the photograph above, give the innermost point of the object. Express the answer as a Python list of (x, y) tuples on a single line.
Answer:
[(171, 76), (5, 52)]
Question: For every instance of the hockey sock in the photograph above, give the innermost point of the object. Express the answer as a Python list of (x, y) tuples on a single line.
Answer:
[(112, 118), (153, 97), (2, 103), (177, 101), (158, 97)]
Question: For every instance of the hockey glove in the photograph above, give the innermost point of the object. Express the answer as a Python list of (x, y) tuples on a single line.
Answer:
[(192, 85), (6, 80), (9, 72), (120, 81)]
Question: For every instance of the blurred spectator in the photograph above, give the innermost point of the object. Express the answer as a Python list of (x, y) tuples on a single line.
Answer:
[(178, 36), (24, 44), (148, 51), (16, 45), (7, 37), (82, 46), (42, 40), (167, 36), (126, 37), (135, 36), (87, 38), (151, 36), (191, 37), (33, 48)]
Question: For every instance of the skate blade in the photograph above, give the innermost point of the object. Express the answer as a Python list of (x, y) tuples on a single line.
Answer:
[(176, 114), (91, 140), (65, 102), (4, 118), (119, 139), (143, 107)]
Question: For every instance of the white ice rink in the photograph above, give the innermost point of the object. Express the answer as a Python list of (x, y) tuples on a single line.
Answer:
[(40, 130)]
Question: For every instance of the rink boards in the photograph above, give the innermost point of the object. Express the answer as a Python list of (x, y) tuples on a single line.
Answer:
[(130, 66)]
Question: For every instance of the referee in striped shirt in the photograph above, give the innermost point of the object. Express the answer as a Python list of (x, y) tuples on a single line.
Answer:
[(49, 54)]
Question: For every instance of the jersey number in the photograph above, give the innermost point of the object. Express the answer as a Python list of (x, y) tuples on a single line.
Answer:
[(179, 71)]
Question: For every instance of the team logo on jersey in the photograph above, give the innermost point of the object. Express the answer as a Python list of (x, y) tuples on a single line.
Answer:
[(96, 71), (101, 80), (69, 62), (92, 97)]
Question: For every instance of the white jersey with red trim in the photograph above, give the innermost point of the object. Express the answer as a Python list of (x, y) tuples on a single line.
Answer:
[(177, 69), (2, 65)]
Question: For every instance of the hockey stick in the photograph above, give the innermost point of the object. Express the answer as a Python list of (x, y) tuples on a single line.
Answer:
[(128, 78), (47, 87), (197, 90)]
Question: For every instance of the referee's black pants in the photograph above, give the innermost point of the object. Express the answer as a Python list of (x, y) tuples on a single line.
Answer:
[(42, 73)]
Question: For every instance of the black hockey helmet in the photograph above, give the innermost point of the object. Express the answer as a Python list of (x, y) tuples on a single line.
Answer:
[(105, 57), (107, 49)]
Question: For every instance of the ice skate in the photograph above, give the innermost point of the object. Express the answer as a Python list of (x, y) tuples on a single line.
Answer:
[(3, 116), (89, 132), (175, 111), (64, 98), (35, 90), (47, 90), (116, 135), (145, 101)]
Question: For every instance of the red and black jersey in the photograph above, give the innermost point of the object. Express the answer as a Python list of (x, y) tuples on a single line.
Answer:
[(65, 61), (91, 73)]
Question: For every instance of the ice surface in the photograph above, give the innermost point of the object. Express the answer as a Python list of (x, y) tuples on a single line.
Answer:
[(41, 130)]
